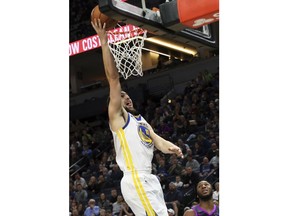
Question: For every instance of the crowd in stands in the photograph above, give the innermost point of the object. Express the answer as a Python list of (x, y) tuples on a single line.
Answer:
[(190, 120), (79, 19)]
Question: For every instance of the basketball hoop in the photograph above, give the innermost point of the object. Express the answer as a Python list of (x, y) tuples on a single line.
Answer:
[(126, 47)]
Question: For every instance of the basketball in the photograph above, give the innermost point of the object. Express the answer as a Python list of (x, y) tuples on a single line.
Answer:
[(96, 13)]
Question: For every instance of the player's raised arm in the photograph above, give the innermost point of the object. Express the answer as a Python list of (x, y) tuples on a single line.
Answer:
[(112, 75)]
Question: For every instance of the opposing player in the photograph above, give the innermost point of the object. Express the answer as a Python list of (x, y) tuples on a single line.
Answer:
[(134, 141), (206, 206)]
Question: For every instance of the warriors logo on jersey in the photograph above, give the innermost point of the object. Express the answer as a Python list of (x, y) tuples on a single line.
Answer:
[(144, 135)]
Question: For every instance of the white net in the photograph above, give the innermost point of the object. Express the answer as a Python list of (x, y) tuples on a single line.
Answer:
[(126, 47)]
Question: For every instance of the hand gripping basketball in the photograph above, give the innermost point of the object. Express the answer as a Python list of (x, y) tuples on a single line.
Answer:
[(96, 13)]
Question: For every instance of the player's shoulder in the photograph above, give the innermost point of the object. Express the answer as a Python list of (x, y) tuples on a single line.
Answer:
[(118, 120), (189, 212)]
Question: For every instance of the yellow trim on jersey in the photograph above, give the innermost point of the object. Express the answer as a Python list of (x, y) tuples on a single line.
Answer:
[(130, 166)]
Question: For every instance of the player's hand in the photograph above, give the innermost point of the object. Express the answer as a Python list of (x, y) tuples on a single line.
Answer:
[(100, 30), (176, 150)]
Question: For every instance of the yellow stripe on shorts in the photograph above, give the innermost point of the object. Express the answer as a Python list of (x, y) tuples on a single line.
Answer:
[(130, 166)]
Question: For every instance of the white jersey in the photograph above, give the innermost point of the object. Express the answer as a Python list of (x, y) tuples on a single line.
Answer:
[(133, 145), (134, 153)]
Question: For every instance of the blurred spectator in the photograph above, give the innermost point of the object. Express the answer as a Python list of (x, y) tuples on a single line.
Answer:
[(86, 136), (92, 209), (81, 195), (216, 193), (188, 152), (113, 196), (91, 169), (71, 191), (111, 160), (74, 147), (189, 177), (74, 206), (86, 152), (217, 139), (175, 168), (164, 128), (215, 160), (191, 137), (212, 125), (102, 182), (162, 167), (213, 109), (212, 151), (108, 179), (204, 143), (192, 163), (170, 158), (102, 212), (164, 182), (73, 159), (103, 202), (185, 107), (117, 206), (156, 158), (173, 198), (108, 213), (79, 127), (104, 160), (81, 209), (178, 182), (79, 180), (149, 109), (179, 123), (116, 174), (101, 168), (75, 212), (197, 151), (206, 168), (184, 147), (93, 187), (125, 210)]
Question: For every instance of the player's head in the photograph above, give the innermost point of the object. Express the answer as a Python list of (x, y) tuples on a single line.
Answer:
[(126, 100), (127, 103), (204, 190)]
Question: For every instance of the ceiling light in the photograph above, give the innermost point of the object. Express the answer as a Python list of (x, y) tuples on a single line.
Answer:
[(154, 51), (172, 46)]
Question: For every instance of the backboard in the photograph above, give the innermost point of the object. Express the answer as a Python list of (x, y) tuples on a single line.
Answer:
[(164, 20)]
